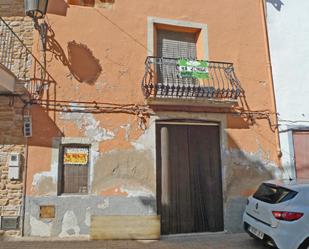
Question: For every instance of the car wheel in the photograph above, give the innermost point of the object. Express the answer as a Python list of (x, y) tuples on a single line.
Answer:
[(304, 245)]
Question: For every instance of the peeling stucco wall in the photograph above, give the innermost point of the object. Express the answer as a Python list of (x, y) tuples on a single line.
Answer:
[(45, 182), (124, 169), (243, 172), (87, 123), (128, 176), (121, 182), (73, 221), (124, 180)]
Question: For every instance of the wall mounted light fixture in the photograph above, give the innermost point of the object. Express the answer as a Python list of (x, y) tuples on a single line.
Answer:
[(36, 9)]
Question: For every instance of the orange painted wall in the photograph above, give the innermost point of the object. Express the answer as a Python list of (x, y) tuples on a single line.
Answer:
[(117, 38)]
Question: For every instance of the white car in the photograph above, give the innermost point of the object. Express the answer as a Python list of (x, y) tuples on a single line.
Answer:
[(278, 214)]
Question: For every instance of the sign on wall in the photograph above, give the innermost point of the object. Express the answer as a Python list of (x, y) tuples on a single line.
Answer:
[(75, 156), (192, 69)]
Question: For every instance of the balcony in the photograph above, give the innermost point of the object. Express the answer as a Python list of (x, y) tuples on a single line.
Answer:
[(166, 83), (7, 81), (19, 68)]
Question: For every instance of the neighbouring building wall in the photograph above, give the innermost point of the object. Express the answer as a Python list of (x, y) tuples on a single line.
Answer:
[(21, 60), (11, 141), (288, 35), (12, 8), (96, 56)]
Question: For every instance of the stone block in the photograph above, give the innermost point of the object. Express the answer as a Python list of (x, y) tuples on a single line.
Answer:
[(4, 191), (4, 202), (14, 186), (17, 195), (15, 202)]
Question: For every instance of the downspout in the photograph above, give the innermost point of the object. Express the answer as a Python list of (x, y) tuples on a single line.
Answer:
[(270, 72)]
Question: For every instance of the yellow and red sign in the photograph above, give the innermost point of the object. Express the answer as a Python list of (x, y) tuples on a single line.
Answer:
[(75, 156)]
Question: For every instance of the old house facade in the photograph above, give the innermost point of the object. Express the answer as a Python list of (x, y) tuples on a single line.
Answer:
[(143, 108)]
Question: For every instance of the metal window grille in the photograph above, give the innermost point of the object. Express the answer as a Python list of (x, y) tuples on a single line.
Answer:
[(75, 167), (162, 80)]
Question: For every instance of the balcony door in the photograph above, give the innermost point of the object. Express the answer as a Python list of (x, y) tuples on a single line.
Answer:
[(189, 183), (171, 46)]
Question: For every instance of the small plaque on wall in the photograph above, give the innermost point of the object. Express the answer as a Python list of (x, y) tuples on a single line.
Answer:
[(47, 212), (9, 223)]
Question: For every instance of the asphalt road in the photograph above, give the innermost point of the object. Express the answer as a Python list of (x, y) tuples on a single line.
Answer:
[(205, 241)]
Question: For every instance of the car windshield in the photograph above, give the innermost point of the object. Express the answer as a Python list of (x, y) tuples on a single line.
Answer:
[(273, 194)]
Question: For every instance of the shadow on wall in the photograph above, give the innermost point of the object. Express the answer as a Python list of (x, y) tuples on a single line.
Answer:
[(44, 128), (83, 65), (244, 172), (236, 121), (276, 3), (57, 7)]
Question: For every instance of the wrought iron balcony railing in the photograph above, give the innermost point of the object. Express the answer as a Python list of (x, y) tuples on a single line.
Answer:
[(17, 57), (162, 79)]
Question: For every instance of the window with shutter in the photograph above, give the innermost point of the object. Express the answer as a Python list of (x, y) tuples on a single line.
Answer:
[(75, 168), (173, 45)]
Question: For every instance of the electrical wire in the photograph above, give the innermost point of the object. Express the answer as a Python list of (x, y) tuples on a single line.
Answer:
[(293, 121)]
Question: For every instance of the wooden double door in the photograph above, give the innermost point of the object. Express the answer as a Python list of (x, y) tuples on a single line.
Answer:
[(189, 182)]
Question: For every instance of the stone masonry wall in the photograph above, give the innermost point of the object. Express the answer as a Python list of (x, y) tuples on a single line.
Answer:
[(20, 62), (12, 8), (11, 112), (11, 191), (11, 140)]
